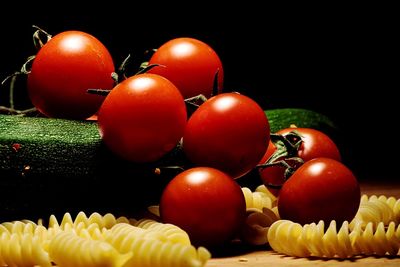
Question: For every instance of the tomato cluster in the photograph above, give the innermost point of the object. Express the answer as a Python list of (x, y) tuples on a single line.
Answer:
[(318, 186), (145, 116)]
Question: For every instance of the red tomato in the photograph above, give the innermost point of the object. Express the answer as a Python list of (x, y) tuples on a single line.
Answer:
[(190, 64), (207, 203), (142, 118), (64, 68), (229, 132), (315, 144), (321, 189)]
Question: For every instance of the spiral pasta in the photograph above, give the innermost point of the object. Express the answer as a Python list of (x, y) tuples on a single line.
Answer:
[(22, 249), (294, 239), (67, 249), (124, 231), (257, 199), (106, 221), (255, 228), (148, 252), (377, 209), (172, 232), (97, 240)]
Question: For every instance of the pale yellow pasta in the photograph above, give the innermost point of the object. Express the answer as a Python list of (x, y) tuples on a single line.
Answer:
[(123, 231), (69, 250), (18, 227), (264, 189), (312, 240), (255, 228), (107, 221), (172, 232), (257, 200), (375, 210), (97, 240), (149, 252), (22, 249)]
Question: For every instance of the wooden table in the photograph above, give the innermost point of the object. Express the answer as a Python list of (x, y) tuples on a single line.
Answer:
[(267, 257)]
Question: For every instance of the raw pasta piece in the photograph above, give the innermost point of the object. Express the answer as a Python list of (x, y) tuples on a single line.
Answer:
[(374, 210), (255, 228), (257, 200), (172, 232), (69, 250), (377, 242), (123, 231), (18, 227), (157, 253), (312, 240), (106, 221), (22, 249), (264, 189)]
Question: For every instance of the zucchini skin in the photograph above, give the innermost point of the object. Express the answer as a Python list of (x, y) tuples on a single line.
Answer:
[(51, 166), (304, 118)]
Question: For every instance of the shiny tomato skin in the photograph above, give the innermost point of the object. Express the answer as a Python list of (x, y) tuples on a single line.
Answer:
[(190, 64), (315, 144), (229, 132), (62, 71), (142, 118), (207, 203), (321, 189)]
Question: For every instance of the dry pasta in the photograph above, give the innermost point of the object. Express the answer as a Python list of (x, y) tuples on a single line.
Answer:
[(172, 232), (377, 209), (107, 221), (22, 249), (68, 250), (294, 239), (156, 253), (124, 231), (257, 200), (256, 226), (97, 240)]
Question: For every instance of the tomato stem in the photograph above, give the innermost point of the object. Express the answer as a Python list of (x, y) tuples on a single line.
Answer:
[(25, 70), (215, 84), (287, 147), (148, 67), (103, 92), (38, 35)]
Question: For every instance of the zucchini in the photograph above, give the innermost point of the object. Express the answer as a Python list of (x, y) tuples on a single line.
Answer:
[(304, 118), (50, 166)]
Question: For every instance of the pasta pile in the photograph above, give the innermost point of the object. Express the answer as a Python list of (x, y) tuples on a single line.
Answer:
[(375, 230), (97, 241), (261, 213)]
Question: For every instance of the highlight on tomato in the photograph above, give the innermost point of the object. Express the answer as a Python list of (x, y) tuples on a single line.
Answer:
[(64, 69), (205, 202), (190, 64), (313, 144), (142, 118), (229, 132)]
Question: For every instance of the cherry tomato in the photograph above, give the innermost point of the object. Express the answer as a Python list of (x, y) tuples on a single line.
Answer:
[(190, 64), (62, 71), (142, 118), (321, 189), (315, 144), (229, 132), (207, 203)]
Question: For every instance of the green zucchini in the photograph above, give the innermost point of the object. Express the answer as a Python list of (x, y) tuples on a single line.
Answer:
[(50, 166), (304, 118)]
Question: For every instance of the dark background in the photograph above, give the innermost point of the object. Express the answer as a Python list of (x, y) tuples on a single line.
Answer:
[(337, 60)]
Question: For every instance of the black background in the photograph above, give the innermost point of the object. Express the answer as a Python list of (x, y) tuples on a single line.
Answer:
[(337, 60)]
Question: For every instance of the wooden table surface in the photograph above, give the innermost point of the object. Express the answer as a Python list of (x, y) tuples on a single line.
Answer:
[(267, 257)]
